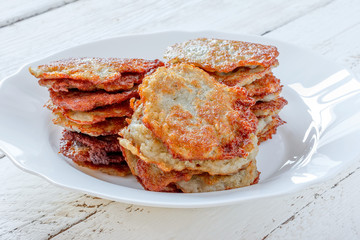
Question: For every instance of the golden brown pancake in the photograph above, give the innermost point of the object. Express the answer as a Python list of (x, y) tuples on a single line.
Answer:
[(85, 101), (264, 86), (125, 82), (116, 169), (96, 115), (195, 116), (137, 138), (154, 179), (217, 55), (208, 183), (270, 129), (98, 153), (95, 70), (109, 127), (190, 133), (242, 76), (99, 150), (263, 109)]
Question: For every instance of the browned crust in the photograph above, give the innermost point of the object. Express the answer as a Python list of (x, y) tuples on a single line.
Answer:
[(102, 154), (211, 180), (263, 97), (217, 55), (116, 169), (242, 76), (86, 101), (198, 136), (96, 70), (109, 127), (270, 129), (98, 150), (125, 82), (151, 177), (96, 115), (154, 179), (262, 109), (266, 85)]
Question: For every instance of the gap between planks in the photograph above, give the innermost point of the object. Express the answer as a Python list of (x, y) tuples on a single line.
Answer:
[(297, 17), (71, 225), (316, 196), (42, 11)]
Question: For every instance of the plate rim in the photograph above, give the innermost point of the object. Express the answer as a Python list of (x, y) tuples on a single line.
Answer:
[(187, 204)]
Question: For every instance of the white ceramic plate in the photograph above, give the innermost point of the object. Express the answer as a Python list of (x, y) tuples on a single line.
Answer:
[(317, 141)]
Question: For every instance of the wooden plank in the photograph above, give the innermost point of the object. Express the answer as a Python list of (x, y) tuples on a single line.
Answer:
[(332, 31), (27, 201), (17, 10), (77, 23), (333, 215), (41, 210)]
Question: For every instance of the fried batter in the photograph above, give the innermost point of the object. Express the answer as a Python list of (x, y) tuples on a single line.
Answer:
[(109, 127), (100, 114), (263, 109), (154, 179), (125, 82), (86, 101), (95, 70), (101, 153), (116, 169), (269, 84), (196, 117), (141, 142), (266, 97), (151, 177), (99, 150), (242, 76), (207, 183), (216, 55), (270, 129)]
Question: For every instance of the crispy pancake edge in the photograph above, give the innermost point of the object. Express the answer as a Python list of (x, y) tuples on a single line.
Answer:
[(191, 128), (221, 55)]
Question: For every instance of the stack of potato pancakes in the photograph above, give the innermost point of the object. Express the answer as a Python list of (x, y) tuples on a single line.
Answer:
[(193, 125), (89, 97), (242, 64), (198, 122)]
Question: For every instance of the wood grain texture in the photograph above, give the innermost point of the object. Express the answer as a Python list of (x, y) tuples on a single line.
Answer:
[(31, 208), (18, 10), (332, 215), (87, 21)]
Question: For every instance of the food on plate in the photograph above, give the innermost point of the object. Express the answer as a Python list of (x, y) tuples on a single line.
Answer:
[(191, 134), (268, 126), (273, 107), (264, 89), (125, 82), (108, 127), (191, 125), (101, 153), (196, 117), (236, 64), (89, 97), (151, 177), (222, 56), (86, 101), (95, 115), (88, 74), (141, 141)]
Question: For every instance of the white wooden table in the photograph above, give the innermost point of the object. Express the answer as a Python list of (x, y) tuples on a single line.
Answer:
[(32, 208)]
